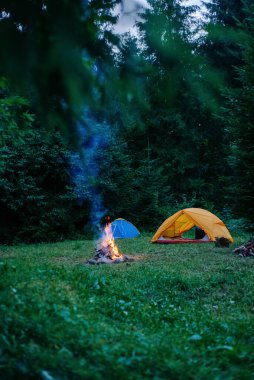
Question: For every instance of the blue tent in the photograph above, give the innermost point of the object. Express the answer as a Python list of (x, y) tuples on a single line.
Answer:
[(123, 229)]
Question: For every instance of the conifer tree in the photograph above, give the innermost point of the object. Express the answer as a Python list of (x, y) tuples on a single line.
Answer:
[(56, 54), (241, 116)]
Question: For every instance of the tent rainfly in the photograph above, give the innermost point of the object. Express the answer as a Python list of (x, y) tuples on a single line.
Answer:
[(122, 229), (182, 221)]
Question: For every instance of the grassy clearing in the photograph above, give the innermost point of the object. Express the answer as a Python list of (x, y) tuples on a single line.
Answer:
[(177, 311)]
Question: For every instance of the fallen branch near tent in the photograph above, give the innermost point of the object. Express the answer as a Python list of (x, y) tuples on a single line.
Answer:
[(246, 249)]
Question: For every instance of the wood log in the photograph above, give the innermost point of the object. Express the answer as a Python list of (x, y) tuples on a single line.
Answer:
[(245, 249)]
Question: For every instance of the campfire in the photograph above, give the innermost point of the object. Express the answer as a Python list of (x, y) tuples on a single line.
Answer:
[(107, 251)]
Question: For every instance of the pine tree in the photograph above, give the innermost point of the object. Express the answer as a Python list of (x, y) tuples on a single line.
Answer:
[(222, 40), (183, 93), (241, 116), (56, 53)]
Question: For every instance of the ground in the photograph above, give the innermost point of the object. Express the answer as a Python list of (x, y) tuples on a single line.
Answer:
[(176, 312)]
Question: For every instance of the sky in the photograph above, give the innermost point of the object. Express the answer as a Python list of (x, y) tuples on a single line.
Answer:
[(128, 10), (192, 2)]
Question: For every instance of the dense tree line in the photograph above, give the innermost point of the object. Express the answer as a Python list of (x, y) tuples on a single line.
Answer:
[(135, 126)]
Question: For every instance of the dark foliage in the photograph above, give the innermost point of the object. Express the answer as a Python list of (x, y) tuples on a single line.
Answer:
[(137, 127), (36, 192), (241, 116)]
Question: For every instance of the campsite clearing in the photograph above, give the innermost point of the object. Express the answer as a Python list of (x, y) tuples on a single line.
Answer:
[(177, 311)]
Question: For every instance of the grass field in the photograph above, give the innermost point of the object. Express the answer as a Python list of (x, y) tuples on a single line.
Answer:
[(176, 312)]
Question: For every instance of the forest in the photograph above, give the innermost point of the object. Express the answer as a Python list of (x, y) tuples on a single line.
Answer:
[(140, 111), (137, 124)]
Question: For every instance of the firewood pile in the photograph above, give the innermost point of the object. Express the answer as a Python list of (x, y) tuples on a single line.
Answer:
[(106, 255), (245, 249)]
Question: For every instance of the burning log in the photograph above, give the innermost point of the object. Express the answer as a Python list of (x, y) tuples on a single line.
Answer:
[(107, 251), (246, 249)]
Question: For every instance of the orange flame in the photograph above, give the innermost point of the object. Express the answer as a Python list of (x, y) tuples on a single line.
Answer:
[(108, 242)]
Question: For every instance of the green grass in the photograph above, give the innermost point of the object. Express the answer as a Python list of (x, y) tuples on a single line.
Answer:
[(176, 312)]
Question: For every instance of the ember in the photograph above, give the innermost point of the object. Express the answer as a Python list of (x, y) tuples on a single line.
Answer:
[(246, 249), (107, 251)]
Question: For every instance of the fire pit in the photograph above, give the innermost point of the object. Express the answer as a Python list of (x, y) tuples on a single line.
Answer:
[(107, 251)]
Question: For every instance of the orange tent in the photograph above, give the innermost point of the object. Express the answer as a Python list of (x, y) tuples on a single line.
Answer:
[(184, 220)]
